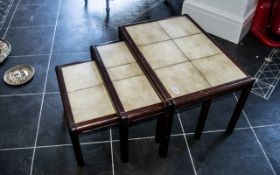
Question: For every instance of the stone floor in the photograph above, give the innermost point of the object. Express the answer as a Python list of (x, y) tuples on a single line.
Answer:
[(33, 136)]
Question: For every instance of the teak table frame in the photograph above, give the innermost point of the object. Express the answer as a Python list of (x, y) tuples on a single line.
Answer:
[(121, 117), (163, 110), (205, 95), (75, 129)]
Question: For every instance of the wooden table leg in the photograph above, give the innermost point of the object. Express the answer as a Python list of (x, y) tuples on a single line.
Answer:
[(123, 131), (238, 108), (158, 129), (107, 6), (166, 126), (77, 148), (202, 118)]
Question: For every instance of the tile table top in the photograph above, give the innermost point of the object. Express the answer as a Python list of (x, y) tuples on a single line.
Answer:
[(132, 86), (87, 95), (183, 58)]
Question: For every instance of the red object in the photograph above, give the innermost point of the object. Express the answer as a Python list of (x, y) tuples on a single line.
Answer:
[(276, 21), (266, 25)]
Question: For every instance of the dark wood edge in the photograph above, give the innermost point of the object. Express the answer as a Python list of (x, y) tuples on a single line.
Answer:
[(134, 121), (105, 43), (108, 83), (145, 111), (213, 92), (147, 69), (97, 123), (73, 63), (65, 100), (122, 28), (86, 125)]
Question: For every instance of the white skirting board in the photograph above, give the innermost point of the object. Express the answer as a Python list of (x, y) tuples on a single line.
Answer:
[(218, 22)]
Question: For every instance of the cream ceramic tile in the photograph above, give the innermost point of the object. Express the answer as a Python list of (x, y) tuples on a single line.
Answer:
[(162, 54), (136, 93), (197, 46), (218, 69), (90, 104), (179, 27), (115, 54), (181, 79), (81, 76), (147, 33), (124, 71)]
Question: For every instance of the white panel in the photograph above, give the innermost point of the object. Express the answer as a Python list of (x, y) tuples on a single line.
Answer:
[(235, 7), (218, 21)]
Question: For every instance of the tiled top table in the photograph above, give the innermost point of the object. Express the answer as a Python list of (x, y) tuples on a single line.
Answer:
[(160, 66), (82, 90), (133, 95), (186, 65), (123, 95)]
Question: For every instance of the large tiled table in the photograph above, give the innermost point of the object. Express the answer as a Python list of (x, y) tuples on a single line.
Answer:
[(186, 66), (157, 67)]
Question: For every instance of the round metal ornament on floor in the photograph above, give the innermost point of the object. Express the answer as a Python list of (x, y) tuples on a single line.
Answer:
[(5, 50), (19, 75)]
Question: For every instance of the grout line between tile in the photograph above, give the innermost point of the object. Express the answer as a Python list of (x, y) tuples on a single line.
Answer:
[(4, 35), (28, 55), (52, 146), (256, 137), (44, 90), (264, 126), (70, 53), (177, 135), (34, 4), (69, 144), (137, 138), (14, 149), (44, 54), (25, 94), (48, 93), (186, 141), (218, 130), (147, 137), (93, 143), (28, 94), (7, 11), (112, 151), (27, 27)]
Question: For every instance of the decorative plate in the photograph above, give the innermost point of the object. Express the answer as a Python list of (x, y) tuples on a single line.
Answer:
[(5, 50), (19, 75)]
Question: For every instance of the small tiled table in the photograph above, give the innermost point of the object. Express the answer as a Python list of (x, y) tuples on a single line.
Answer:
[(133, 95), (185, 64), (125, 96), (87, 105)]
